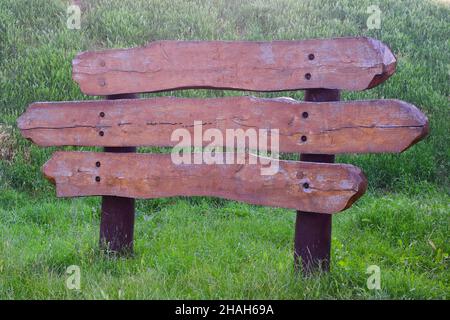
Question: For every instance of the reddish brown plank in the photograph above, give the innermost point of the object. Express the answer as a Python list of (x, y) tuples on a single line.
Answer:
[(329, 127), (330, 187), (340, 63)]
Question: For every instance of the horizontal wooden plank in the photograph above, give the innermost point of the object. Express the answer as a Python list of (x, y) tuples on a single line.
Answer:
[(330, 187), (329, 127), (340, 63)]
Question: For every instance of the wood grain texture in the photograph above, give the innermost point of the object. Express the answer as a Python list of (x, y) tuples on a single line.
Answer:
[(332, 187), (329, 127), (340, 63)]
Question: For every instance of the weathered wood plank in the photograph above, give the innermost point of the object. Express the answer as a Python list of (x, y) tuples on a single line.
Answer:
[(329, 127), (325, 188), (340, 63)]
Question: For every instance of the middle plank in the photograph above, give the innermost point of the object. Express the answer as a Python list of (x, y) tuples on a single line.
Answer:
[(306, 127)]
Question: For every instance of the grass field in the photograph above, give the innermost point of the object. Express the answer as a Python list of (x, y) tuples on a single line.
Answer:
[(212, 248)]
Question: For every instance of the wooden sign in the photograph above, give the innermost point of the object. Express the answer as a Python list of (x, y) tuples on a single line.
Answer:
[(305, 127), (317, 187), (341, 63), (317, 130)]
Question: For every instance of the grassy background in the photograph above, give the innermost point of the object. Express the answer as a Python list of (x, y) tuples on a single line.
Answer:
[(211, 248)]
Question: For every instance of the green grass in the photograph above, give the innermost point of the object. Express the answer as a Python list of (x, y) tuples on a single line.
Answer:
[(197, 248), (210, 248)]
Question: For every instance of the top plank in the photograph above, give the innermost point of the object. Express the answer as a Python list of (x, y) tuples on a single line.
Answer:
[(340, 63)]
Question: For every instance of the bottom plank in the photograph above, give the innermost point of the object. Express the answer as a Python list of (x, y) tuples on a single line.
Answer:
[(313, 187)]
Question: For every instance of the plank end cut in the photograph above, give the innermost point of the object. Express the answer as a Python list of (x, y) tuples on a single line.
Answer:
[(360, 185), (348, 63), (421, 123), (25, 120), (388, 62), (311, 187)]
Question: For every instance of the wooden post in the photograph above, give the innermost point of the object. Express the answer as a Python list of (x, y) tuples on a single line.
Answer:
[(117, 213), (312, 242)]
